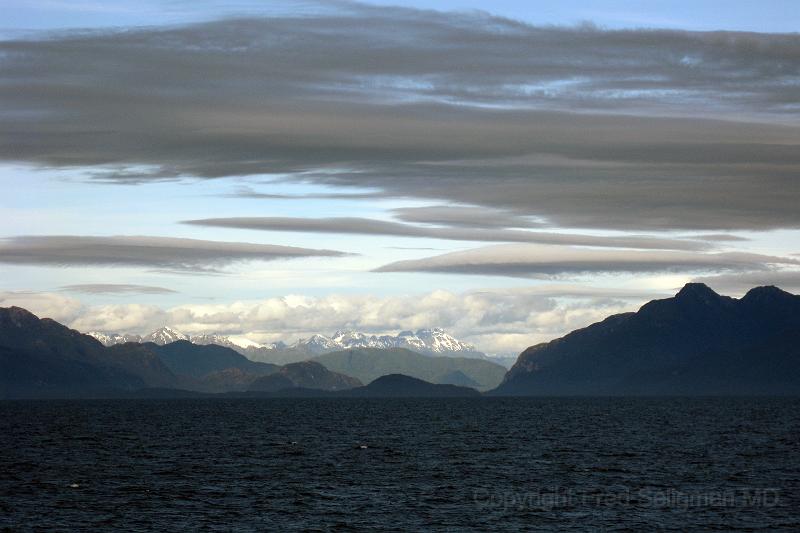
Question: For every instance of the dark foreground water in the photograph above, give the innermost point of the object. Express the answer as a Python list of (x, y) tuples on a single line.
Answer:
[(443, 464)]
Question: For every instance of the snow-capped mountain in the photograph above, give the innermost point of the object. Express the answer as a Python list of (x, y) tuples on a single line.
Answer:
[(437, 341), (165, 335), (235, 342), (109, 339), (427, 341), (318, 344), (433, 342), (161, 336)]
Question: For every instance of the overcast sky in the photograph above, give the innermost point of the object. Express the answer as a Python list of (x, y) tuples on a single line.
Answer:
[(508, 171)]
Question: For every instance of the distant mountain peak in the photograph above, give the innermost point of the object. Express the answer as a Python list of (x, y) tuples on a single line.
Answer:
[(766, 292), (111, 339), (697, 342), (165, 335), (432, 341), (696, 291), (18, 316), (235, 342), (171, 331)]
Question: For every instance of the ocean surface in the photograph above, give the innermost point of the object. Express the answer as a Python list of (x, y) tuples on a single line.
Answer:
[(411, 465)]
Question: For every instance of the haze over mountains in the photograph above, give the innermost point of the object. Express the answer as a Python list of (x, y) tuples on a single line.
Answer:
[(305, 375), (368, 364)]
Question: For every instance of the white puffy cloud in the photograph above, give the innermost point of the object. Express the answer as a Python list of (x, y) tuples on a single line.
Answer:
[(500, 321), (496, 321), (122, 317), (43, 304)]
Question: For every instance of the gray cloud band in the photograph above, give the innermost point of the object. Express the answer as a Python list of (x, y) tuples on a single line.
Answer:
[(115, 288), (527, 261), (367, 226), (665, 129), (154, 252)]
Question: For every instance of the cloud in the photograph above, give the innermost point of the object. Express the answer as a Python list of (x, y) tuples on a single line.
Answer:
[(368, 226), (720, 237), (50, 305), (497, 321), (153, 252), (247, 192), (529, 261), (120, 318), (578, 126), (502, 321), (114, 288), (464, 216)]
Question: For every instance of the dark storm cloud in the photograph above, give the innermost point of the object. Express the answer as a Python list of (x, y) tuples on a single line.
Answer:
[(155, 252), (527, 261), (368, 226), (578, 126), (115, 288)]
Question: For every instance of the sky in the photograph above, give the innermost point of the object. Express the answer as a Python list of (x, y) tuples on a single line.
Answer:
[(507, 171)]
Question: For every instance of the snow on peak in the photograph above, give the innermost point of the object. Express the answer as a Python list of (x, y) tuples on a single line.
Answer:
[(104, 338), (165, 335), (345, 338), (239, 343), (110, 339), (437, 340), (244, 342), (428, 341), (433, 341)]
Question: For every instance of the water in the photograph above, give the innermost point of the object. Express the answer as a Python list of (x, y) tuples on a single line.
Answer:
[(438, 464)]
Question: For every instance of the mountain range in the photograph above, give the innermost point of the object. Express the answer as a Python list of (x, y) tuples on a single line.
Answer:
[(695, 343), (431, 342), (42, 358), (167, 335)]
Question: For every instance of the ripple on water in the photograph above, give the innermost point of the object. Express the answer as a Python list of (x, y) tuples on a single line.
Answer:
[(437, 464)]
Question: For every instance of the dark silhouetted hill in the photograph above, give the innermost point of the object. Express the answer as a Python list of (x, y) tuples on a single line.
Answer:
[(400, 386), (305, 375), (198, 361), (368, 364), (695, 343), (42, 358)]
